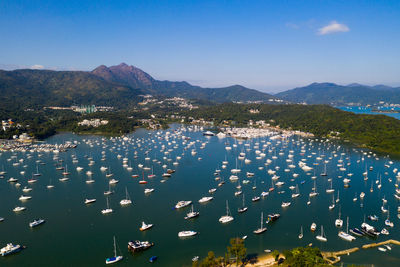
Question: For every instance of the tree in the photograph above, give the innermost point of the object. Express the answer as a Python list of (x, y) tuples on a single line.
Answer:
[(275, 254), (237, 249), (210, 260), (304, 257)]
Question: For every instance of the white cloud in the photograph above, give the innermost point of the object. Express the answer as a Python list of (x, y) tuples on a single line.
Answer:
[(333, 27), (37, 67)]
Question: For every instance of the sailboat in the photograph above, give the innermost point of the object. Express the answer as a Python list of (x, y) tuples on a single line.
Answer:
[(152, 175), (226, 218), (127, 200), (314, 192), (115, 258), (50, 185), (387, 221), (192, 214), (332, 206), (90, 180), (236, 170), (243, 208), (63, 179), (294, 195), (346, 236), (324, 173), (321, 237), (261, 229), (37, 171), (65, 171), (143, 181), (339, 222), (337, 199), (301, 232), (330, 190), (108, 192), (107, 210), (109, 173)]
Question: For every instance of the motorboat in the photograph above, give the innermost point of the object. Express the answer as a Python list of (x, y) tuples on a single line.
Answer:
[(187, 233), (36, 222), (145, 226)]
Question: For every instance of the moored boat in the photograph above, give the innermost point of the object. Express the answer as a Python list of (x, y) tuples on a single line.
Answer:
[(36, 222), (10, 249)]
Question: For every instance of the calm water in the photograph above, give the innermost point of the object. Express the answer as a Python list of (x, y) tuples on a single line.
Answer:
[(367, 110), (76, 234)]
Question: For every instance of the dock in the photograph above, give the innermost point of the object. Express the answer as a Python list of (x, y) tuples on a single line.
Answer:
[(334, 257), (373, 245)]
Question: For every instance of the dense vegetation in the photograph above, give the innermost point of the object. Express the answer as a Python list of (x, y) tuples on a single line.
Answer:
[(304, 257), (333, 94), (236, 251), (377, 132), (38, 88), (21, 89), (136, 78), (44, 123), (236, 256)]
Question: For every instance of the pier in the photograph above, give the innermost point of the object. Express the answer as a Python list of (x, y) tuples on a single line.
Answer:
[(373, 245), (334, 257)]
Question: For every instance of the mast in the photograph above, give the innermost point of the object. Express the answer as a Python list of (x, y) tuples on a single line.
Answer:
[(127, 195), (115, 249), (261, 220), (347, 228)]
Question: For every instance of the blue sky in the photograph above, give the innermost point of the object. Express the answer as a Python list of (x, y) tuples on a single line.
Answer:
[(266, 45)]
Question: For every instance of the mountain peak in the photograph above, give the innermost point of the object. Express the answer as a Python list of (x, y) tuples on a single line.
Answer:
[(125, 74), (315, 84), (123, 64), (355, 85)]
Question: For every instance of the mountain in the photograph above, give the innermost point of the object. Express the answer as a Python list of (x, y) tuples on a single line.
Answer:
[(136, 78), (334, 94), (37, 88)]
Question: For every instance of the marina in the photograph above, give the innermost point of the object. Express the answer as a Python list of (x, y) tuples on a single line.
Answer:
[(287, 174)]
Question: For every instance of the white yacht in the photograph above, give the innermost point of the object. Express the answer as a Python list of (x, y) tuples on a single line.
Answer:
[(187, 233), (321, 237), (261, 229), (226, 218), (36, 222), (148, 190), (107, 210), (22, 197), (313, 227), (338, 221), (145, 226), (17, 209), (113, 181), (345, 235), (205, 199), (192, 214), (182, 204), (115, 258), (88, 200), (127, 200)]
